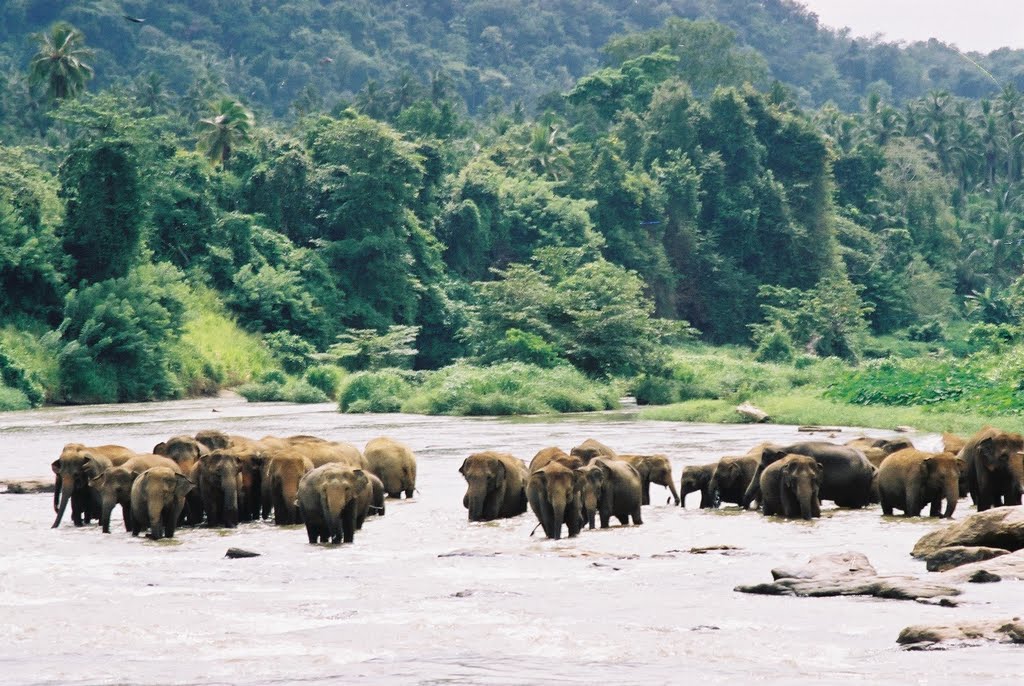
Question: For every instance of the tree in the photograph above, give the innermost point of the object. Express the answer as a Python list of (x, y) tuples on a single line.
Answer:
[(59, 66), (221, 133)]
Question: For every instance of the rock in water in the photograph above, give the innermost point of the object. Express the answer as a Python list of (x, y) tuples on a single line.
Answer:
[(957, 555), (1009, 567), (235, 553), (1000, 527), (972, 633)]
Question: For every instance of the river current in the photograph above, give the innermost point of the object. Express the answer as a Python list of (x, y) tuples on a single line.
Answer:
[(425, 597)]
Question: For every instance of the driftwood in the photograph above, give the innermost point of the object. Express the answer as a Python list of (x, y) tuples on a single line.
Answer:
[(818, 429), (758, 415)]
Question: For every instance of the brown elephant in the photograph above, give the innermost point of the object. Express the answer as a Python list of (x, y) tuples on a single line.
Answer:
[(394, 464), (280, 485), (590, 450), (495, 486), (909, 479), (158, 496), (591, 491), (877, 449), (218, 477), (377, 507), (319, 451), (995, 468), (114, 486), (333, 500), (186, 451), (789, 487), (546, 456), (622, 495), (732, 476), (554, 493), (697, 478), (951, 443), (73, 469), (653, 469)]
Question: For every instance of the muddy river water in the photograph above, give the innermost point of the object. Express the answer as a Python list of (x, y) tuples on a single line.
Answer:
[(423, 596)]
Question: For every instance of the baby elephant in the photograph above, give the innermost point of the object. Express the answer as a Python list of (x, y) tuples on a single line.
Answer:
[(910, 479), (697, 478), (554, 493), (334, 499), (789, 487), (622, 494), (158, 496)]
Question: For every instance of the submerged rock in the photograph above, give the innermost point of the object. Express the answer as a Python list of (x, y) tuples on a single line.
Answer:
[(1000, 527), (1010, 566), (957, 555), (235, 553), (841, 574), (919, 637)]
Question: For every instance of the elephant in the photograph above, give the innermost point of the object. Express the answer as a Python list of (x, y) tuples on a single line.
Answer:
[(909, 479), (877, 449), (280, 484), (377, 499), (951, 443), (623, 493), (655, 469), (319, 451), (218, 477), (546, 456), (158, 496), (732, 476), (495, 486), (590, 450), (394, 464), (73, 469), (114, 486), (846, 479), (186, 451), (697, 478), (333, 500), (591, 491), (790, 487), (554, 493), (995, 468)]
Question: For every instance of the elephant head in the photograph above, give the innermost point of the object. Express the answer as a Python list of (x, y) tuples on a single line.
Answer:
[(655, 469), (557, 489), (213, 439), (485, 492), (1000, 451), (695, 478), (339, 498), (220, 481), (184, 450), (801, 479), (590, 450), (590, 485), (165, 493), (770, 454), (942, 474)]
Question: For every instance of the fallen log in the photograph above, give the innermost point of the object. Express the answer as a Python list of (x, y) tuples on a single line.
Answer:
[(756, 414)]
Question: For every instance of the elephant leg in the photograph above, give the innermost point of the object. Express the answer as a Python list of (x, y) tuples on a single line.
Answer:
[(495, 503), (348, 522), (78, 505), (646, 500), (170, 521), (312, 533), (409, 492), (606, 517), (623, 519), (936, 508), (637, 518)]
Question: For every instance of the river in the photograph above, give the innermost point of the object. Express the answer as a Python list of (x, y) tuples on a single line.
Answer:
[(424, 597)]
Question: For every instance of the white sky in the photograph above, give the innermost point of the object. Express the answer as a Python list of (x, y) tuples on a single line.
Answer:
[(972, 25)]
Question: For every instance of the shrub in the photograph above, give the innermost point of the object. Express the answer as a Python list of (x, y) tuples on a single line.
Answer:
[(274, 376), (926, 333), (14, 376), (293, 352), (656, 390), (521, 346), (379, 391), (294, 391), (775, 345), (325, 377)]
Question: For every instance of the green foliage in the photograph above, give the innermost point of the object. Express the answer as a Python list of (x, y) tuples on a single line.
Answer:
[(273, 298), (292, 352), (16, 378), (225, 129), (774, 345), (367, 349), (926, 333), (113, 345), (326, 378), (510, 388), (59, 67), (529, 348), (378, 391), (291, 391)]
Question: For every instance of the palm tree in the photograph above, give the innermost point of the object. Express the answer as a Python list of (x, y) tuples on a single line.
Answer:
[(59, 65), (229, 126), (150, 93)]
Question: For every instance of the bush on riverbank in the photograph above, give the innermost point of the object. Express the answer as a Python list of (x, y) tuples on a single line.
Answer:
[(461, 389)]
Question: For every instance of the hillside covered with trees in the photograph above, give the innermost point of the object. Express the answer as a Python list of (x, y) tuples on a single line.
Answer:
[(195, 195)]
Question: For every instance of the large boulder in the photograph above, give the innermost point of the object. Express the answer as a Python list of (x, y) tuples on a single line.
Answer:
[(958, 555), (1001, 527), (1008, 567), (846, 574), (971, 633)]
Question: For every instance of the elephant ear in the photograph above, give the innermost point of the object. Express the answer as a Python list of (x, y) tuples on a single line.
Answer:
[(605, 468), (984, 450), (462, 469), (98, 481), (500, 471), (182, 485), (55, 466), (961, 465), (929, 464), (160, 448), (771, 455)]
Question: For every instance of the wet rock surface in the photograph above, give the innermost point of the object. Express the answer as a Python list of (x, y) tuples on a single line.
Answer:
[(23, 486), (958, 555), (1001, 527), (1010, 566), (845, 574), (923, 637)]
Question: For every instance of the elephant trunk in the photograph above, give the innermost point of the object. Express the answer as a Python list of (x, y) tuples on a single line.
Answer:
[(333, 505), (557, 517), (67, 486), (106, 508), (56, 492), (156, 518), (753, 491), (231, 504), (672, 489), (476, 501), (952, 495), (805, 495)]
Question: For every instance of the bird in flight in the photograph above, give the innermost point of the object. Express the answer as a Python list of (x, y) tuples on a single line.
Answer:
[(134, 20)]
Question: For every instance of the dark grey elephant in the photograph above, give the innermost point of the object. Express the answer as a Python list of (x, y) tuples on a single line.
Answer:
[(846, 478), (789, 487)]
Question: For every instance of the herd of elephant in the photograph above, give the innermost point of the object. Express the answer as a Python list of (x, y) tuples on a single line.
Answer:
[(571, 489), (332, 487), (222, 480)]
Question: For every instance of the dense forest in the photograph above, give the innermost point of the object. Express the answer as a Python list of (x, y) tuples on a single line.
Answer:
[(195, 195)]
